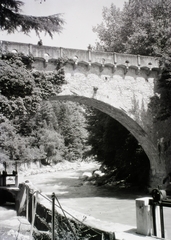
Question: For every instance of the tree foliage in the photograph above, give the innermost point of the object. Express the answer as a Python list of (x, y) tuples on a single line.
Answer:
[(72, 122), (32, 127), (142, 27), (12, 20), (110, 30), (150, 28), (115, 147)]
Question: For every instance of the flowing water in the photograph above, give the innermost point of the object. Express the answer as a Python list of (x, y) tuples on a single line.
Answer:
[(101, 202)]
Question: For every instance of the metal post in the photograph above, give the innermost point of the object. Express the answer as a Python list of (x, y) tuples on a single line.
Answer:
[(4, 178), (16, 175), (27, 203), (162, 222), (34, 205), (53, 216), (16, 180), (154, 219), (1, 180), (112, 236), (103, 237), (66, 218)]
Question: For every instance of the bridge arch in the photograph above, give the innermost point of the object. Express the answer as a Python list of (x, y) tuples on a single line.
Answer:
[(132, 126)]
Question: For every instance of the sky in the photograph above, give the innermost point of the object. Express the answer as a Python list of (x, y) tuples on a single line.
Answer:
[(79, 15)]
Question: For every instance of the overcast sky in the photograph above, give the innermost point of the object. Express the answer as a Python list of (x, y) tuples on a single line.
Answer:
[(80, 16)]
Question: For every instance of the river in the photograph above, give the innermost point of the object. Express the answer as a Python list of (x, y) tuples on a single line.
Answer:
[(101, 202)]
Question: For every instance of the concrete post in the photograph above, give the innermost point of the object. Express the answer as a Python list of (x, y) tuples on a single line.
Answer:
[(21, 199), (143, 216)]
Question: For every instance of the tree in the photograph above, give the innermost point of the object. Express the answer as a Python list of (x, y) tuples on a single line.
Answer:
[(22, 92), (12, 20), (148, 27), (161, 102), (72, 124), (142, 27), (53, 145), (115, 147), (109, 30)]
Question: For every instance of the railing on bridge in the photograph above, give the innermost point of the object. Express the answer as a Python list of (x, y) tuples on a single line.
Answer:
[(82, 56)]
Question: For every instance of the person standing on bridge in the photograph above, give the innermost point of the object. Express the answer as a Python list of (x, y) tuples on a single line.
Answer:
[(40, 43)]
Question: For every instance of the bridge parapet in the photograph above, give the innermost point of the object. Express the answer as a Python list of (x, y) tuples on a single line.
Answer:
[(82, 56)]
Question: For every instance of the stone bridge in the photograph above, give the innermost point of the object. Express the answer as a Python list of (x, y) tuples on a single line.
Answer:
[(120, 85)]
